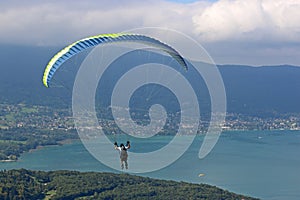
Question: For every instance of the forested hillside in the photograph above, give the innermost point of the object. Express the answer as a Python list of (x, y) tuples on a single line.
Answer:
[(25, 184)]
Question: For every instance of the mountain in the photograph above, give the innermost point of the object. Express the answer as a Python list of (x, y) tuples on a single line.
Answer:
[(26, 184), (264, 90)]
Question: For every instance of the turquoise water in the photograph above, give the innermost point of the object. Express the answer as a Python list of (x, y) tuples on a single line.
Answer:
[(264, 164)]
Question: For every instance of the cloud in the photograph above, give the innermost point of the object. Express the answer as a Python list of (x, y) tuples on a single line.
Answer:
[(259, 22), (52, 22), (249, 19)]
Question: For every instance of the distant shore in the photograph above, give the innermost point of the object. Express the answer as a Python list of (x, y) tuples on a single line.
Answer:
[(8, 161), (39, 147), (70, 141)]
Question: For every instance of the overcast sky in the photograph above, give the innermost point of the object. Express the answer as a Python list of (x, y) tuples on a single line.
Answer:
[(253, 32)]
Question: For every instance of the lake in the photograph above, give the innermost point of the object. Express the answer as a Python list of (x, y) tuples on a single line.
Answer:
[(263, 164)]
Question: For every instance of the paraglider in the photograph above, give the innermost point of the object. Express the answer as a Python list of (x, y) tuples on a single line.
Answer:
[(88, 42), (123, 153)]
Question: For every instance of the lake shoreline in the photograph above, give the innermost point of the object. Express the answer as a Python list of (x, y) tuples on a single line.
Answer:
[(70, 141), (39, 147), (242, 162)]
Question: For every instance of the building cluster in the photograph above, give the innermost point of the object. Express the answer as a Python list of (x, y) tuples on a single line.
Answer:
[(43, 117), (242, 122)]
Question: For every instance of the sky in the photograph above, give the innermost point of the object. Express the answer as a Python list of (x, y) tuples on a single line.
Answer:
[(248, 32)]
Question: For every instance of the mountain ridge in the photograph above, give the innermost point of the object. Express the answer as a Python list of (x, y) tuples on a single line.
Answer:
[(250, 90)]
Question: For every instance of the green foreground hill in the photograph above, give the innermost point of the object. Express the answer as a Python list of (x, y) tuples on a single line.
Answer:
[(26, 184)]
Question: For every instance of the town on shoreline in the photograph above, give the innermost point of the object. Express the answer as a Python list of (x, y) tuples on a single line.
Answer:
[(26, 127)]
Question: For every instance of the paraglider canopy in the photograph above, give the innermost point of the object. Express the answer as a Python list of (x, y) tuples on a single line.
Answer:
[(80, 45)]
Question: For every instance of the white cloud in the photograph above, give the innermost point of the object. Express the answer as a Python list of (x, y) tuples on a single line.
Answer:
[(250, 19), (260, 22), (222, 20), (228, 19), (49, 22)]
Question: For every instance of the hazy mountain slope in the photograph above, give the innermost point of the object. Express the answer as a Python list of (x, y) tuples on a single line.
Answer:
[(250, 90)]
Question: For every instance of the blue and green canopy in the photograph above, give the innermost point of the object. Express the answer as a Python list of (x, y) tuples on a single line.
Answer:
[(80, 45)]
